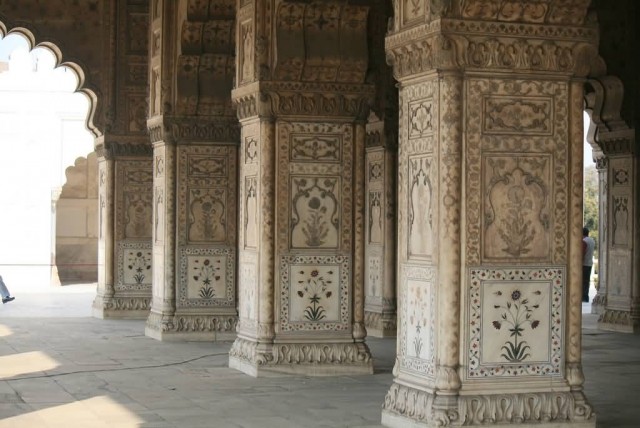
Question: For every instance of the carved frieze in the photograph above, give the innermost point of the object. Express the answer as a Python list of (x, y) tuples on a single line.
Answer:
[(452, 43), (532, 408), (278, 99)]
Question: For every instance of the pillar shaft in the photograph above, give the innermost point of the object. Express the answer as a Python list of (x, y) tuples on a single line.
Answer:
[(380, 227), (301, 251), (195, 135), (600, 300), (124, 240), (490, 217)]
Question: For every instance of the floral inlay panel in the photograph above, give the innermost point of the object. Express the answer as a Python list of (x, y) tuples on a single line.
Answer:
[(314, 293), (417, 319), (207, 215), (207, 277), (517, 217), (515, 322), (537, 180), (420, 210), (247, 304), (134, 266), (315, 222), (134, 204)]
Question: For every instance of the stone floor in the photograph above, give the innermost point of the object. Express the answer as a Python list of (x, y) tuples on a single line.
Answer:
[(61, 368)]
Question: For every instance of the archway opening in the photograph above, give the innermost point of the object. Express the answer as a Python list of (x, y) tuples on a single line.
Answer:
[(48, 217)]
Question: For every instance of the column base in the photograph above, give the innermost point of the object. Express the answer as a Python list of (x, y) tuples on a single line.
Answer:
[(620, 321), (380, 324), (121, 307), (598, 304), (191, 327), (407, 407), (309, 359)]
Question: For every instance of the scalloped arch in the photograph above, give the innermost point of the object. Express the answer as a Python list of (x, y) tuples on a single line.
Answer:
[(83, 86)]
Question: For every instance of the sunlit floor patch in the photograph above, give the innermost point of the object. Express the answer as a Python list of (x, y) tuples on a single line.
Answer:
[(25, 363), (96, 412), (5, 331)]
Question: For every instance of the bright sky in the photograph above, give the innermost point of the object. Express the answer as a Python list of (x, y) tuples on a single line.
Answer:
[(42, 132)]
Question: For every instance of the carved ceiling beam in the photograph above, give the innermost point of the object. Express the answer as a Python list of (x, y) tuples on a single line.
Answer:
[(205, 65)]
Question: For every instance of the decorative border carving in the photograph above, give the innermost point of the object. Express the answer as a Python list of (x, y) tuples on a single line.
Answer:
[(205, 323), (533, 407), (301, 353)]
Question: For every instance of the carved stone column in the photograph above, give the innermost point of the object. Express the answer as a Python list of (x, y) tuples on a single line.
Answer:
[(125, 162), (622, 302), (489, 214), (617, 141), (124, 230), (380, 228), (600, 300), (195, 132), (302, 107)]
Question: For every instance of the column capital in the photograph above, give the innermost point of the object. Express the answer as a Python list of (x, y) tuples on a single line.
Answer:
[(110, 148), (309, 99), (169, 129), (470, 44)]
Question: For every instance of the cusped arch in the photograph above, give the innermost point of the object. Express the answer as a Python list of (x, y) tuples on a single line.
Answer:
[(608, 132), (84, 87)]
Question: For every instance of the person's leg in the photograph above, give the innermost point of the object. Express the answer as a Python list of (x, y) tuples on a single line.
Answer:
[(4, 292), (586, 277)]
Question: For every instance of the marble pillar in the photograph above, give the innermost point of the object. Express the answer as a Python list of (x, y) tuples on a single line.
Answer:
[(622, 304), (302, 104), (380, 229), (195, 135), (124, 230), (600, 300), (489, 214)]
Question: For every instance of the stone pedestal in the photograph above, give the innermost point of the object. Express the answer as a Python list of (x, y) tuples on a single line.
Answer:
[(302, 107), (489, 216), (124, 230)]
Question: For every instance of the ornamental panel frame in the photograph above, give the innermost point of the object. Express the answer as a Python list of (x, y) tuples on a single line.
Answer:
[(481, 280), (480, 144), (289, 291), (134, 266), (421, 281), (187, 259)]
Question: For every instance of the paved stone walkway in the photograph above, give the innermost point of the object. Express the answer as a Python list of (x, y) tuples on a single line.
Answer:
[(61, 368)]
